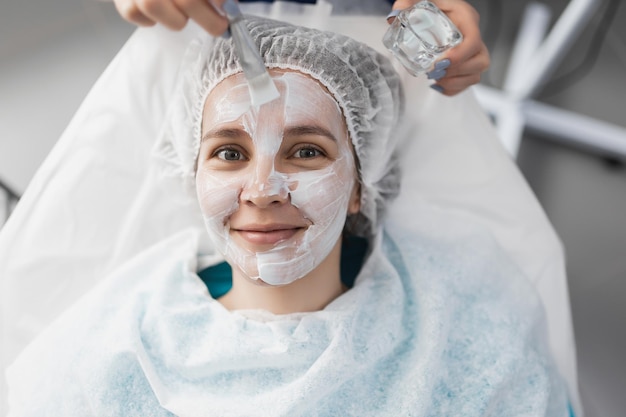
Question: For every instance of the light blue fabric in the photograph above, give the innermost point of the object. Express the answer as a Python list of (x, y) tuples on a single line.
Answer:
[(430, 328)]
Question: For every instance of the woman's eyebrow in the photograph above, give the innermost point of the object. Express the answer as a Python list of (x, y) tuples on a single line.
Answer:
[(223, 133), (309, 130)]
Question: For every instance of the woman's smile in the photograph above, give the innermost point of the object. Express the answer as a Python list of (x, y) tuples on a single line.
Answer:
[(268, 234)]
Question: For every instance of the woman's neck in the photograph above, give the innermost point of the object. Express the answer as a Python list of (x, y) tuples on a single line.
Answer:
[(312, 292)]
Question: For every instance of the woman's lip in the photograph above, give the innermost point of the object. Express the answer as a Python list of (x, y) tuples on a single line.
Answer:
[(266, 227), (267, 235)]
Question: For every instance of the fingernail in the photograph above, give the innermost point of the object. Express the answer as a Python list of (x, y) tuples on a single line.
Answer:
[(393, 13), (437, 88), (443, 64), (436, 74), (231, 8)]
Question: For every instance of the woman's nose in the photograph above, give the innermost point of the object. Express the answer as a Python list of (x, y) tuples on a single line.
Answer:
[(266, 188)]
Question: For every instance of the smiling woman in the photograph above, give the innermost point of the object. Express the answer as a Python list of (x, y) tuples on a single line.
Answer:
[(430, 326)]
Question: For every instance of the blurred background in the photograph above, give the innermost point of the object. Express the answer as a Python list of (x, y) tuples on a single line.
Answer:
[(582, 191)]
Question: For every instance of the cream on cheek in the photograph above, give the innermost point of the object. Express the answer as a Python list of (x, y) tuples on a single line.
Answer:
[(218, 193), (322, 196)]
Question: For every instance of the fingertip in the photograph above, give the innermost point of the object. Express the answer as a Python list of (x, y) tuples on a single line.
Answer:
[(451, 57), (464, 51), (131, 13), (179, 24), (141, 20), (403, 4), (486, 58), (217, 29), (392, 15), (456, 84), (145, 24), (442, 64), (451, 93), (437, 88)]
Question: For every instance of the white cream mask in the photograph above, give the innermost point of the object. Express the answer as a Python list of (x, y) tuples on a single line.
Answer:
[(275, 183)]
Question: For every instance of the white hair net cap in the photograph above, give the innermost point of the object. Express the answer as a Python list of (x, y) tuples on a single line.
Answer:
[(362, 81)]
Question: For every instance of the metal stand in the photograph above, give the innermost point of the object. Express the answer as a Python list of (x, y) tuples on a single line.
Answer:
[(534, 59)]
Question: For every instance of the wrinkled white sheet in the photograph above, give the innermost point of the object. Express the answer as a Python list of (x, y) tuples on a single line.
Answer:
[(432, 327), (98, 201)]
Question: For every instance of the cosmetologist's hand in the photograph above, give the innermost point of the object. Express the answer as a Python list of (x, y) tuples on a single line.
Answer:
[(174, 14), (461, 66)]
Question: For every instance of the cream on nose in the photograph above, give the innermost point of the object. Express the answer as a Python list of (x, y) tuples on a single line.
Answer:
[(267, 186)]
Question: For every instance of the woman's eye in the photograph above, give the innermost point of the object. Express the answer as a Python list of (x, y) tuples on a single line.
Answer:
[(306, 153), (230, 155)]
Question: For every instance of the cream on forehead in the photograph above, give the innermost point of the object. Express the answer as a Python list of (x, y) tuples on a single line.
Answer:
[(322, 196), (236, 101)]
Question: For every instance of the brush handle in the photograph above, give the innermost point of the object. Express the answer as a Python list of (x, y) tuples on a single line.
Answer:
[(260, 84)]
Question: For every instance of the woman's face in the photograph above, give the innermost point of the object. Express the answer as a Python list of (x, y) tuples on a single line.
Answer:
[(275, 183)]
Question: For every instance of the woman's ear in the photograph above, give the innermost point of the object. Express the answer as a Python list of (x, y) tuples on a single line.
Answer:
[(355, 199)]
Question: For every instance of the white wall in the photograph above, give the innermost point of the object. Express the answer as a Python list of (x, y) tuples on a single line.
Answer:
[(51, 53)]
